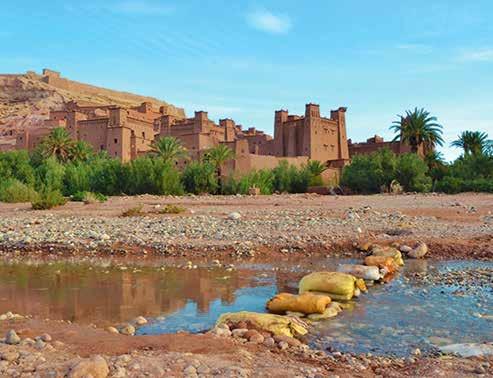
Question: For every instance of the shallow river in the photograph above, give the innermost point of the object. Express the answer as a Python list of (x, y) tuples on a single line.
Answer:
[(393, 319)]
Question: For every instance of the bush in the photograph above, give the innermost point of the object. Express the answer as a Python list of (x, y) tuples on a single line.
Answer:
[(134, 211), (140, 177), (88, 197), (168, 179), (411, 173), (48, 199), (50, 175), (16, 164), (200, 178), (290, 179), (76, 179), (107, 176), (14, 191), (172, 209), (262, 179)]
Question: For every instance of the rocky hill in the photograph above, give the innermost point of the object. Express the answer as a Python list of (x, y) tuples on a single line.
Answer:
[(26, 99)]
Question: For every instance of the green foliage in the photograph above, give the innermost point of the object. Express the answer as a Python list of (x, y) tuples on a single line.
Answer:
[(262, 179), (370, 173), (219, 155), (14, 191), (418, 128), (200, 177), (473, 143), (57, 144), (168, 179), (88, 197), (76, 178), (49, 175), (316, 169), (107, 176), (290, 179), (48, 199), (411, 173), (136, 211), (16, 164), (169, 149), (172, 209)]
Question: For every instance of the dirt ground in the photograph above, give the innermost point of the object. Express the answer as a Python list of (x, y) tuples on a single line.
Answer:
[(279, 226)]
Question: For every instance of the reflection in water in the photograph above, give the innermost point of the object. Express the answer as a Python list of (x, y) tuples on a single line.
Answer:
[(98, 295), (394, 318)]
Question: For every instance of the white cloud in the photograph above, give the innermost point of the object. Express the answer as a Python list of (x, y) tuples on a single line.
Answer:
[(142, 7), (479, 55), (264, 20), (415, 47)]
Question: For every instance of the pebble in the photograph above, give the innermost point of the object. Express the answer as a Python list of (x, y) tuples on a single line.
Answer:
[(12, 338), (127, 329), (140, 320)]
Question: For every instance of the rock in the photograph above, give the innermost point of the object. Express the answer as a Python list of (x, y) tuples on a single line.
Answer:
[(419, 252), (417, 352), (291, 341), (239, 332), (95, 367), (45, 337), (269, 342), (40, 344), (12, 338), (283, 345), (479, 370), (223, 332), (140, 320), (405, 249), (9, 356), (295, 314), (254, 336), (190, 370), (468, 350), (127, 329), (112, 330), (234, 216)]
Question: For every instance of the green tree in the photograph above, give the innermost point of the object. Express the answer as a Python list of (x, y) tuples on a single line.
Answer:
[(316, 168), (57, 144), (411, 173), (81, 151), (200, 177), (437, 168), (473, 142), (418, 128), (169, 149), (16, 164), (218, 156)]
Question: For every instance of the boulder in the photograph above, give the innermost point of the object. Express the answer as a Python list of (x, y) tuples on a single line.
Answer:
[(234, 216), (140, 320), (12, 338), (419, 252), (95, 367)]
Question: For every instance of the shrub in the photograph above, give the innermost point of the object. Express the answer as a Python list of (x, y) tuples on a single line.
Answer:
[(16, 164), (262, 179), (140, 177), (290, 179), (14, 191), (88, 197), (364, 175), (50, 175), (168, 180), (107, 176), (411, 173), (134, 211), (199, 178), (48, 199), (172, 209), (76, 178)]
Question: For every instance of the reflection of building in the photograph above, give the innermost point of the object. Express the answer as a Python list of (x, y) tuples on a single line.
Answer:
[(80, 295)]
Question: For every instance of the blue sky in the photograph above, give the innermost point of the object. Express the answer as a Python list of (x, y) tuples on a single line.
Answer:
[(244, 59)]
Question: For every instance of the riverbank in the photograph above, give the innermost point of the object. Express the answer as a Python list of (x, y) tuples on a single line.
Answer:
[(276, 230)]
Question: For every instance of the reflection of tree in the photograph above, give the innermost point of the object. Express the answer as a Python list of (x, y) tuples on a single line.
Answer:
[(75, 292)]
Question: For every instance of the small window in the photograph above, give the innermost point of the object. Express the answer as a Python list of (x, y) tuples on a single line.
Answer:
[(116, 141), (101, 147), (143, 135)]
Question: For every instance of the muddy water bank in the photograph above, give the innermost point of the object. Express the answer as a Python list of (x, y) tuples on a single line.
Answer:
[(413, 311)]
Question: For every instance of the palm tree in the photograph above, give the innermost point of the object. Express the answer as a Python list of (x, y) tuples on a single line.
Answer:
[(418, 128), (169, 149), (57, 144), (434, 159), (217, 156), (473, 142), (81, 151), (316, 168)]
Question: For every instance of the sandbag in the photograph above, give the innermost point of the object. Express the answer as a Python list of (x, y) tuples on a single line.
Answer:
[(371, 273), (337, 285), (305, 303), (332, 310), (277, 324), (388, 252)]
